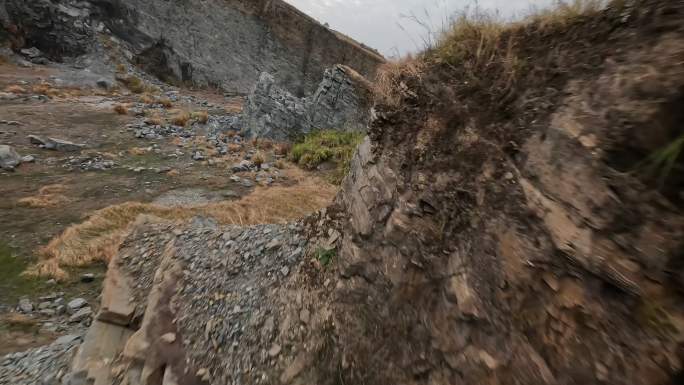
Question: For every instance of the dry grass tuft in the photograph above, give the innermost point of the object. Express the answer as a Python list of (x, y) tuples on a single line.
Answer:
[(389, 87), (181, 119), (120, 68), (166, 102), (100, 236), (234, 147), (258, 159), (137, 151), (134, 84), (155, 120), (282, 149), (121, 109), (48, 196), (42, 89), (201, 117), (147, 99), (15, 89), (173, 173)]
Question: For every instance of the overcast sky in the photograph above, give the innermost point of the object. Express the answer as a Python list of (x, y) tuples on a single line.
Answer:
[(382, 24)]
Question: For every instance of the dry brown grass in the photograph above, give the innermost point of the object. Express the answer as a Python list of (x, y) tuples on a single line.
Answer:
[(231, 134), (48, 196), (138, 151), (42, 89), (282, 149), (155, 120), (173, 173), (166, 102), (201, 116), (17, 320), (120, 68), (15, 89), (279, 164), (99, 237), (135, 84), (234, 147), (389, 87), (147, 99), (258, 159), (121, 109), (181, 119)]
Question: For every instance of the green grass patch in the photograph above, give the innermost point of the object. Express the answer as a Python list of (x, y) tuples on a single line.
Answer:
[(327, 146), (13, 285), (325, 257), (663, 161)]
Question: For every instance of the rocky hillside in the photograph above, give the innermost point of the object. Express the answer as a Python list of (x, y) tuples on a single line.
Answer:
[(513, 217), (225, 44)]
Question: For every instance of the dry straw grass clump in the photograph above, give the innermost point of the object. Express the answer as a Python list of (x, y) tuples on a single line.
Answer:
[(48, 196), (121, 109), (181, 119), (166, 102), (481, 49), (100, 236), (15, 89), (155, 120), (201, 116)]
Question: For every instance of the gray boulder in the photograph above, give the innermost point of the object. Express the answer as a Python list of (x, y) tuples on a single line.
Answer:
[(9, 158), (341, 102)]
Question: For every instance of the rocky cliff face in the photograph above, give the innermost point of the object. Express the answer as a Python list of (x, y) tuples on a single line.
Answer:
[(225, 44), (342, 101), (506, 235)]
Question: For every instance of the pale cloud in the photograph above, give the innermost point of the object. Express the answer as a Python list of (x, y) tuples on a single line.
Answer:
[(384, 25)]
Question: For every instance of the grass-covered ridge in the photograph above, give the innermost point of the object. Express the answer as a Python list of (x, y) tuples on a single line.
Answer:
[(327, 146)]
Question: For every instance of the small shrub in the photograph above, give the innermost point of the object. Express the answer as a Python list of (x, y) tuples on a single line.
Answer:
[(234, 147), (279, 164), (121, 109), (181, 119), (120, 68), (232, 134)]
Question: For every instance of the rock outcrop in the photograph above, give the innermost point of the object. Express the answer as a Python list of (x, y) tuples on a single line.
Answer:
[(503, 242), (218, 43), (341, 102)]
